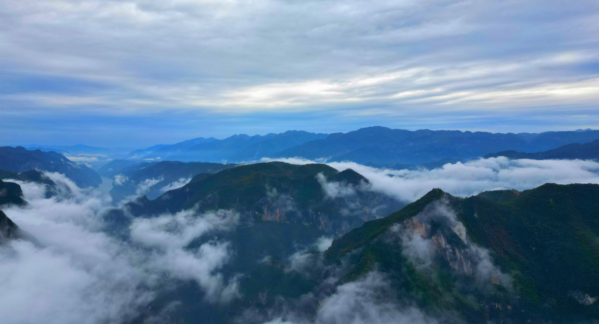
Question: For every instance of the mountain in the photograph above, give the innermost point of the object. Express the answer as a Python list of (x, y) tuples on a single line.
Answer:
[(154, 178), (35, 176), (501, 256), (375, 146), (10, 194), (237, 148), (588, 151), (281, 208), (68, 149), (8, 229), (384, 146), (313, 195), (19, 159)]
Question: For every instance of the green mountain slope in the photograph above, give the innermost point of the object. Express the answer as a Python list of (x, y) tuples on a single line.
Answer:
[(542, 245), (154, 178), (278, 192)]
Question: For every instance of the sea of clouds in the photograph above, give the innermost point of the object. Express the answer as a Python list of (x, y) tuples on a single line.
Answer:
[(469, 178), (76, 272)]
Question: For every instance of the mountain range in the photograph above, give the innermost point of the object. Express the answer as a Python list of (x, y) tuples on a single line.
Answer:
[(237, 148), (376, 146), (493, 257), (588, 151), (499, 256), (19, 159)]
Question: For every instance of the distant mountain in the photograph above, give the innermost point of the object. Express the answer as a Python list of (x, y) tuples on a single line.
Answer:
[(19, 159), (237, 148), (155, 178), (384, 146), (589, 151), (67, 149)]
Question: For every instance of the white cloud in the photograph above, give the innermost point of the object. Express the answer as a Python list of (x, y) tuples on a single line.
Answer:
[(406, 56), (176, 184), (82, 158), (170, 236), (77, 273), (364, 302), (145, 186), (335, 189), (323, 243), (423, 247), (470, 178), (120, 179), (301, 261)]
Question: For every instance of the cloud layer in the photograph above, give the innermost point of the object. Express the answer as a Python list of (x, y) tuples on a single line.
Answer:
[(470, 178), (348, 61), (75, 272)]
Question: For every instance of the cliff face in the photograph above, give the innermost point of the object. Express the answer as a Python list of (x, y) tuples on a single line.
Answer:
[(8, 229), (10, 194)]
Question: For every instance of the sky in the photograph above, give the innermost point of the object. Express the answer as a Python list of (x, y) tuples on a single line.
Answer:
[(144, 72)]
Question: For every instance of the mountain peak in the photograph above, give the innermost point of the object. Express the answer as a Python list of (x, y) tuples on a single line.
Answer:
[(349, 176)]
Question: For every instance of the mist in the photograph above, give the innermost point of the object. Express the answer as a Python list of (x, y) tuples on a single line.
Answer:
[(466, 179), (73, 271)]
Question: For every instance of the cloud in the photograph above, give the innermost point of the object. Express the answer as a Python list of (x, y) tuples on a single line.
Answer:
[(323, 243), (82, 158), (176, 184), (335, 189), (306, 259), (424, 247), (301, 261), (170, 237), (76, 272), (351, 58), (367, 301), (145, 186), (120, 179), (470, 178)]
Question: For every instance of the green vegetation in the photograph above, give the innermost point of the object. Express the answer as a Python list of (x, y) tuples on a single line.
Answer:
[(546, 239), (275, 192)]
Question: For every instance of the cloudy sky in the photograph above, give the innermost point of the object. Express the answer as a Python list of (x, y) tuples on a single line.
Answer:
[(143, 72)]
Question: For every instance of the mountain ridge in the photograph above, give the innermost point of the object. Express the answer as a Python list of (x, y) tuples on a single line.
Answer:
[(18, 159)]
